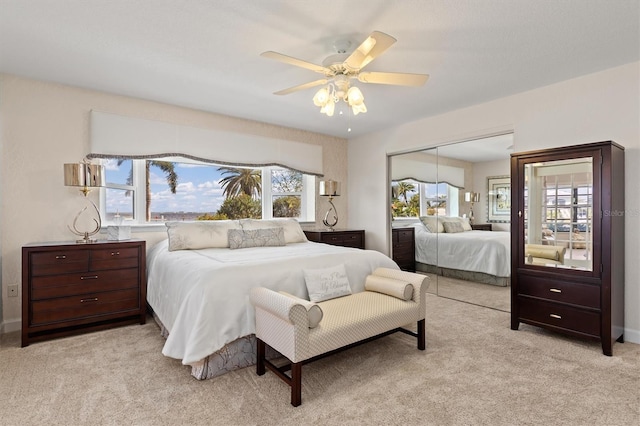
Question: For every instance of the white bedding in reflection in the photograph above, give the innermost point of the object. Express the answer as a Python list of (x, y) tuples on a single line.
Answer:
[(477, 251), (202, 296)]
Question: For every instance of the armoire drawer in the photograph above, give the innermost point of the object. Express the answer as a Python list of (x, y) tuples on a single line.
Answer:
[(587, 295), (559, 315)]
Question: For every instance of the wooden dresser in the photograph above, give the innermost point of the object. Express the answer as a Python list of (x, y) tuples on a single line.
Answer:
[(69, 288), (345, 238), (403, 248)]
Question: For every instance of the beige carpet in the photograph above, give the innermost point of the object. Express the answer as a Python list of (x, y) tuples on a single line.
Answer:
[(475, 371)]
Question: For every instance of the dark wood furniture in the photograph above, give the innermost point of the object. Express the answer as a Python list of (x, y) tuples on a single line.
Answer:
[(403, 248), (345, 238), (584, 302), (69, 288), (481, 227)]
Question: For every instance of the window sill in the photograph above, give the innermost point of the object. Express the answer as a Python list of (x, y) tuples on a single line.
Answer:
[(161, 227)]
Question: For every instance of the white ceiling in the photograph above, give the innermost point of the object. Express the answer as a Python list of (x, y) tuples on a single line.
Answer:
[(204, 54)]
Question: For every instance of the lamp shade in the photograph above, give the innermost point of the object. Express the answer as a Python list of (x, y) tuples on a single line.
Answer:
[(329, 188), (84, 175), (471, 197)]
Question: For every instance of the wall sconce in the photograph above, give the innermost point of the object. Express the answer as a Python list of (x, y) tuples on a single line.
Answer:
[(86, 176), (330, 188), (471, 197)]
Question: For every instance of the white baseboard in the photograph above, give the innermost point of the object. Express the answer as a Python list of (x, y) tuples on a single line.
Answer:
[(632, 336), (10, 326)]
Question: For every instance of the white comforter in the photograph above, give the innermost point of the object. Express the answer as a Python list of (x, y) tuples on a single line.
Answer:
[(476, 251), (202, 296)]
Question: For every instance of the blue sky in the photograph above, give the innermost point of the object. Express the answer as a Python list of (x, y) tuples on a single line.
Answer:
[(198, 189)]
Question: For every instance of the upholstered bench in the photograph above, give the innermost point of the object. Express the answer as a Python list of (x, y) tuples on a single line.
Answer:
[(303, 331)]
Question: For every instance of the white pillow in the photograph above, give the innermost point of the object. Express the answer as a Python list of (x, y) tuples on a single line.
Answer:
[(269, 237), (432, 223), (200, 234), (327, 283), (314, 312), (292, 231)]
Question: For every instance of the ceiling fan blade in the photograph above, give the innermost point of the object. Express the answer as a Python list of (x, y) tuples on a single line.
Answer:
[(395, 78), (301, 87), (295, 61), (375, 45)]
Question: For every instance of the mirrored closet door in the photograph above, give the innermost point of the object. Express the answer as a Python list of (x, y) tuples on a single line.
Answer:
[(442, 198)]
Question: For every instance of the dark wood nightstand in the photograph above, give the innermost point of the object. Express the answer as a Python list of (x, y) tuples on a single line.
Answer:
[(403, 248), (345, 238), (481, 227), (69, 288)]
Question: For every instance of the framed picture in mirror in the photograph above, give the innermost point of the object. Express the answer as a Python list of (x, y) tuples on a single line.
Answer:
[(499, 199)]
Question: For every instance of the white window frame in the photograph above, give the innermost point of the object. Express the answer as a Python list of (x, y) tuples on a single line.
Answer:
[(307, 195)]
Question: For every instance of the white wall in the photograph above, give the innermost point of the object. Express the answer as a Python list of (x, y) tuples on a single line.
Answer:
[(45, 125), (481, 171), (596, 107)]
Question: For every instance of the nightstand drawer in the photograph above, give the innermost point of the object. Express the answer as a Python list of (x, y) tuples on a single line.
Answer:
[(345, 238), (560, 291), (559, 316), (403, 235), (113, 259), (77, 284), (67, 308), (59, 262)]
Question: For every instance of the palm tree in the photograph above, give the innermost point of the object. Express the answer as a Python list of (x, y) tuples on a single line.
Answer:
[(172, 179), (241, 181), (168, 169), (403, 188)]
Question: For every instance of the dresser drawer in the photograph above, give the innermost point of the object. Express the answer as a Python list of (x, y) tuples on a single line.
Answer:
[(346, 239), (403, 235), (74, 307), (559, 316), (560, 291), (59, 262), (78, 284), (114, 258)]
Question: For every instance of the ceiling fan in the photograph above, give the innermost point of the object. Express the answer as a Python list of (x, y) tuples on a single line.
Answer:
[(339, 69)]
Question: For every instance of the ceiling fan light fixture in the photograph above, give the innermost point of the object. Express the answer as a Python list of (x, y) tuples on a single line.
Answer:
[(357, 109), (355, 96), (321, 97), (329, 108)]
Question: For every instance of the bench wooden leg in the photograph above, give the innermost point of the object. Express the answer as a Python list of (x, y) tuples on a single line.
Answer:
[(260, 350), (421, 335), (296, 384)]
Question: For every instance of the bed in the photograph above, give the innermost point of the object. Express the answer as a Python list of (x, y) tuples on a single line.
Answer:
[(479, 256), (200, 297)]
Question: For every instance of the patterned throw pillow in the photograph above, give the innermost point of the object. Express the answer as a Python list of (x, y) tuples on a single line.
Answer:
[(452, 227), (268, 237), (293, 233), (327, 283)]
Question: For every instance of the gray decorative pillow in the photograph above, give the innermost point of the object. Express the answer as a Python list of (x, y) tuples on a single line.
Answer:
[(268, 237), (452, 227), (432, 224), (327, 283)]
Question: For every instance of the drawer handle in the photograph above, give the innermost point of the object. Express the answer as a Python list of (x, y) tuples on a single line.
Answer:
[(115, 253), (555, 316), (91, 277), (61, 256), (92, 299), (555, 290)]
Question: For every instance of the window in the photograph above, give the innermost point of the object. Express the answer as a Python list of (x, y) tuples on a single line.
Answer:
[(412, 199), (155, 191)]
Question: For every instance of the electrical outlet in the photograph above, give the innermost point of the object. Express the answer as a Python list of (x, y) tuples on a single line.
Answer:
[(13, 291)]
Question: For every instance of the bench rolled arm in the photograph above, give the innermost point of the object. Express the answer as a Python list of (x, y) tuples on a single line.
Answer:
[(420, 282), (284, 307)]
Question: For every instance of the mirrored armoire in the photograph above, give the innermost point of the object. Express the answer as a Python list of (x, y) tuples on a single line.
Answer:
[(567, 241)]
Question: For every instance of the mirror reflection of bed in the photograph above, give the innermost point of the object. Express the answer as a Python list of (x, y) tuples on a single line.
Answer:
[(456, 197)]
